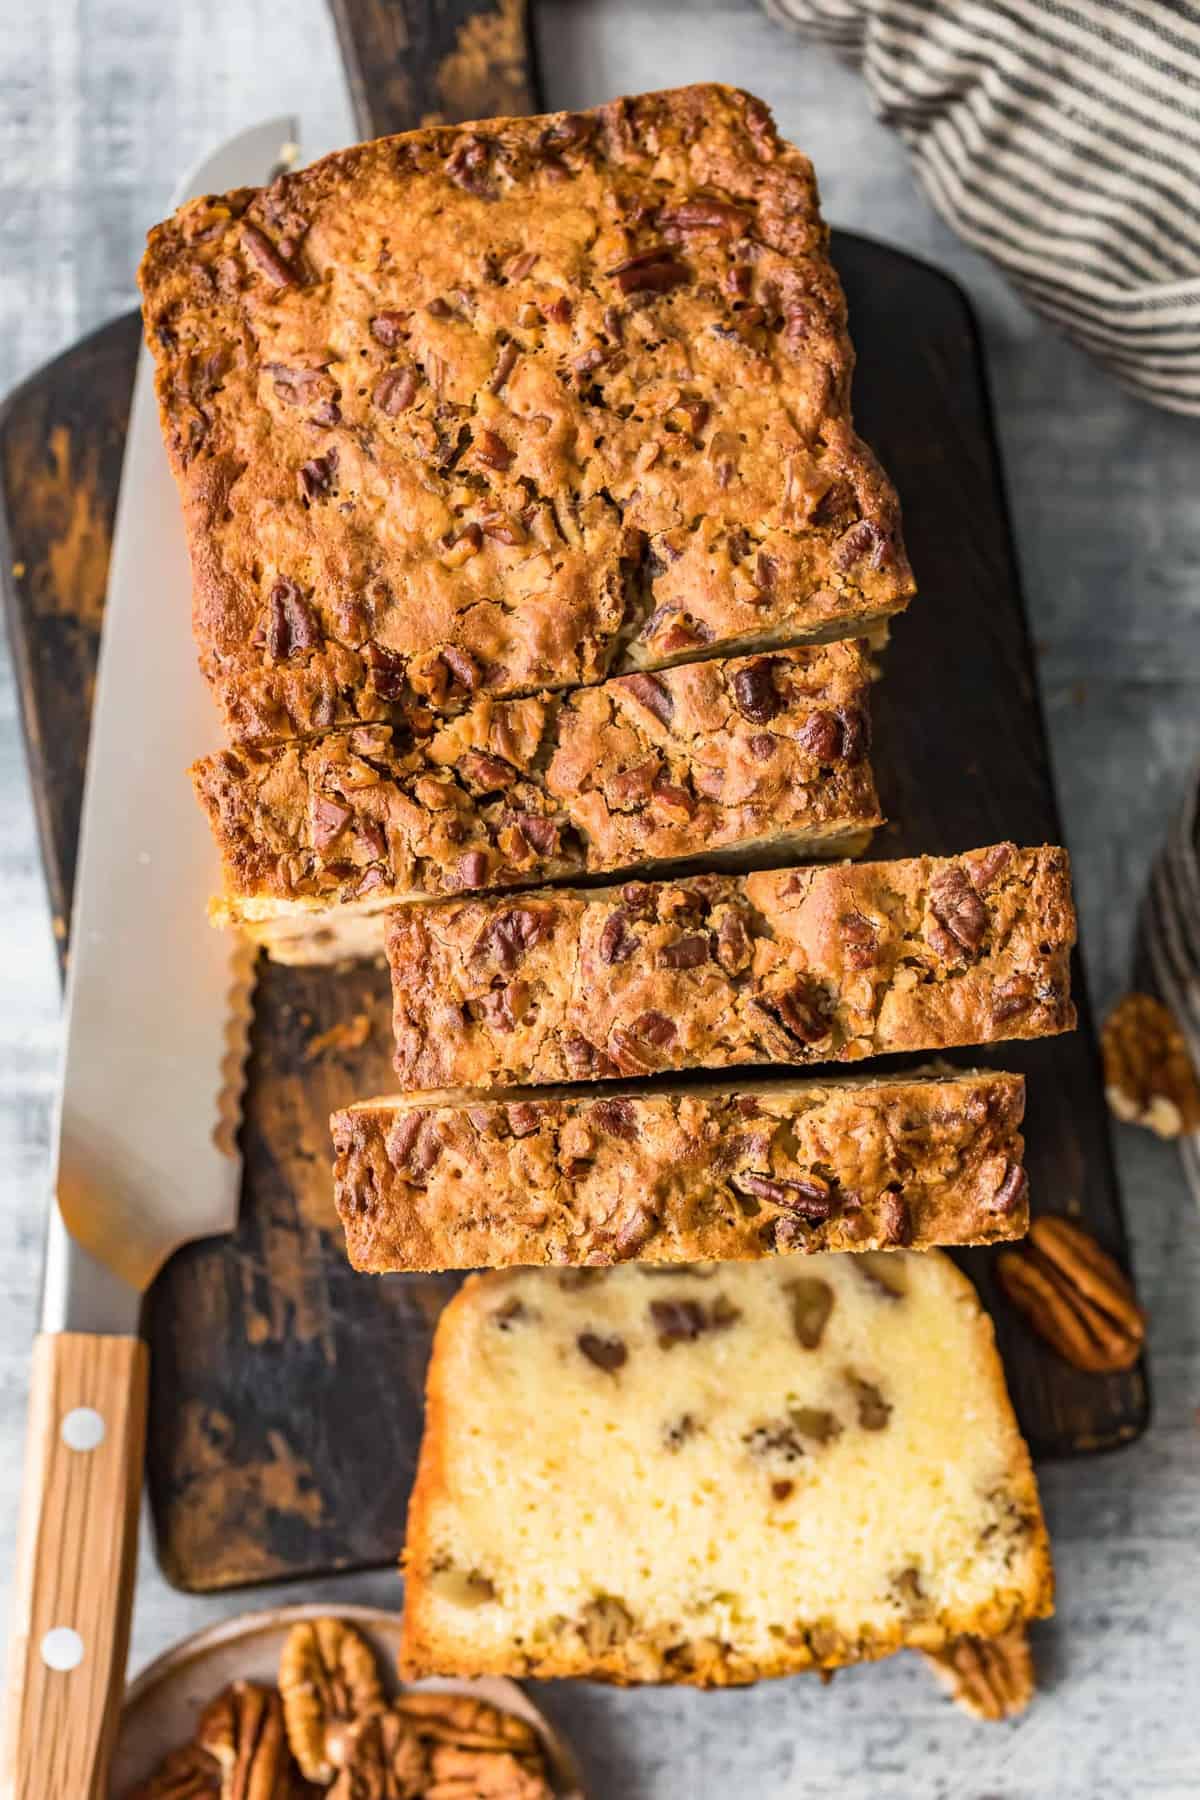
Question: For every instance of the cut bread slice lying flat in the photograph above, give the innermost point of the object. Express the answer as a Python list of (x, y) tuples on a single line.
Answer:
[(683, 1173), (780, 966), (713, 1474), (763, 755)]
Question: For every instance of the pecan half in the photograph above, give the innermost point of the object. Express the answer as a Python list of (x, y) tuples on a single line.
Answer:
[(957, 907), (990, 1678), (617, 942), (273, 264), (686, 952), (617, 1117), (754, 691), (470, 1723), (328, 1682), (1149, 1077), (189, 1773), (475, 1775), (395, 391), (654, 271), (1074, 1296), (811, 1198), (291, 623), (386, 1760), (243, 1730), (508, 936), (804, 1010), (702, 213)]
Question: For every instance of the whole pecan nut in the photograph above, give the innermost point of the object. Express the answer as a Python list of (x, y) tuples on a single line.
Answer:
[(242, 1729), (386, 1760), (1149, 1077), (329, 1683), (991, 1678), (472, 1724), (1074, 1296)]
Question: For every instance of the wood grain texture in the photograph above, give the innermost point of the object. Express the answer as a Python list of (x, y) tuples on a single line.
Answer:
[(76, 1553), (286, 1392), (433, 62)]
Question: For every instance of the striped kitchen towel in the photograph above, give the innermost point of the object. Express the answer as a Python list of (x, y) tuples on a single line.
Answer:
[(1062, 138)]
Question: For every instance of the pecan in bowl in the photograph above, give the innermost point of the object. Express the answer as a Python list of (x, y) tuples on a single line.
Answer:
[(1149, 1077), (329, 1685), (316, 1712), (242, 1730)]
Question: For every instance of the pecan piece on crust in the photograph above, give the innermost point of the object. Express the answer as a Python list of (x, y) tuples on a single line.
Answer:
[(991, 1678), (1074, 1296), (328, 1682), (1149, 1077), (956, 906)]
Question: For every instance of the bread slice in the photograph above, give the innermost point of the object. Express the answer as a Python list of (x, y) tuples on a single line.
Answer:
[(514, 405), (765, 754), (779, 966), (682, 1173), (713, 1474)]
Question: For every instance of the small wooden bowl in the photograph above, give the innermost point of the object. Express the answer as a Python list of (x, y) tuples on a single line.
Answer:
[(163, 1705)]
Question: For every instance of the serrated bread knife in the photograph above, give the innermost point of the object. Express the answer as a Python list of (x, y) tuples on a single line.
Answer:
[(146, 1158)]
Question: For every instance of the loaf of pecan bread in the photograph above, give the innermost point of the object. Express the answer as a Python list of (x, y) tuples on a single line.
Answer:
[(712, 1474), (763, 753), (675, 1174), (511, 406), (784, 965)]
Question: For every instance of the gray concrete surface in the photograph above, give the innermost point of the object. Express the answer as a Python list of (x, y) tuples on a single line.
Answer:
[(102, 102)]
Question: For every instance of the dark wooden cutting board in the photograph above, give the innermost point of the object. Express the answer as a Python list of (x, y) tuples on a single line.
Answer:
[(286, 1390)]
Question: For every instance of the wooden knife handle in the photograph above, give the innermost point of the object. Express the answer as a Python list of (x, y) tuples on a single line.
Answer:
[(76, 1553), (421, 62)]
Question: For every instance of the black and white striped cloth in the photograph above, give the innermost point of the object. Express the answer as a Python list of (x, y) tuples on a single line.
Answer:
[(1061, 137)]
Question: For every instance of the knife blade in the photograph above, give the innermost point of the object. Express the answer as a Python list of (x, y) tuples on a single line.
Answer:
[(145, 1155)]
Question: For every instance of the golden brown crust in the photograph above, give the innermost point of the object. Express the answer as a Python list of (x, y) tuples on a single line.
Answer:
[(681, 1176), (506, 406), (789, 965), (698, 758), (658, 1650)]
